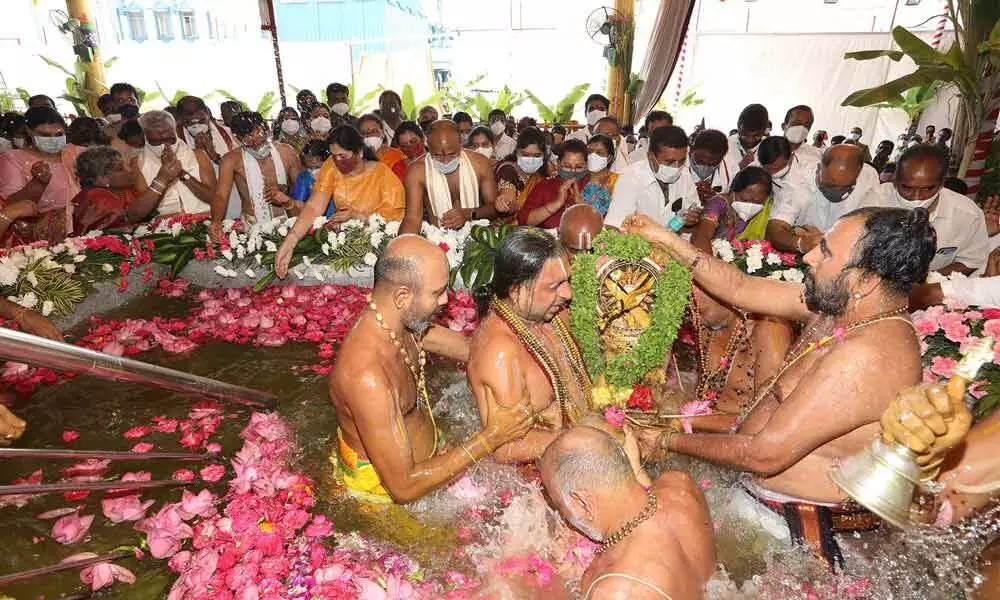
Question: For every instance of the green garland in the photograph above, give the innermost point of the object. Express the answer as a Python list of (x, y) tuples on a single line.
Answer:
[(672, 289)]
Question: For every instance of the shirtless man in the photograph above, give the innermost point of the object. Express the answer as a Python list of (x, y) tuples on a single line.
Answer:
[(857, 350), (453, 186), (655, 544), (522, 350), (389, 448), (578, 227), (266, 184)]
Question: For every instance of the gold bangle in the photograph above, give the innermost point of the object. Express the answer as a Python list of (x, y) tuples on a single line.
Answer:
[(482, 440), (469, 454)]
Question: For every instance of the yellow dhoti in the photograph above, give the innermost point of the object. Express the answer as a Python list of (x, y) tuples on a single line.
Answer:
[(359, 476)]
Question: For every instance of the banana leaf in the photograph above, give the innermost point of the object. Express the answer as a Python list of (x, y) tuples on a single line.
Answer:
[(56, 65), (408, 104), (483, 108), (564, 110), (894, 88), (547, 114), (895, 55)]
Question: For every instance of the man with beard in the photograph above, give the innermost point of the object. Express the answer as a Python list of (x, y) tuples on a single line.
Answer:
[(523, 351), (389, 447), (858, 348)]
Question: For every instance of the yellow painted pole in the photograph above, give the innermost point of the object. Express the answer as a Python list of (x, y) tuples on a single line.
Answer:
[(85, 45), (620, 71)]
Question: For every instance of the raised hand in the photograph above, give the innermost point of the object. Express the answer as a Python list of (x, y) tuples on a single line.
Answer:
[(41, 172), (928, 421)]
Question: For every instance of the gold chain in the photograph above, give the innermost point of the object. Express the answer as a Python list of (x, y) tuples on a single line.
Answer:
[(709, 380), (545, 359), (417, 371), (647, 511)]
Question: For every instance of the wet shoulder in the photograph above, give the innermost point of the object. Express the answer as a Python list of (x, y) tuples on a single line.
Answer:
[(492, 338)]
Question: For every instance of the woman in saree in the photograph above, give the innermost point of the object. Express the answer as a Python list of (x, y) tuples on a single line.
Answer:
[(373, 134), (519, 173), (738, 214)]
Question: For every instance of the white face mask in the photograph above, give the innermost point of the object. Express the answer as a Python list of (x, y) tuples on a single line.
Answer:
[(113, 118), (498, 128), (854, 136), (5, 145), (465, 139), (485, 151), (198, 128), (20, 143), (911, 204), (290, 126), (796, 134), (157, 151), (747, 210), (668, 174), (320, 124), (259, 153), (446, 168), (594, 116), (374, 142), (596, 162), (530, 164), (340, 108)]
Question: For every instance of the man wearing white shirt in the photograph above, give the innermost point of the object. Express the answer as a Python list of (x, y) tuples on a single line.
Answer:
[(595, 108), (775, 156), (803, 210), (656, 186), (751, 128), (962, 240), (707, 166), (609, 126), (654, 120), (504, 144), (798, 121)]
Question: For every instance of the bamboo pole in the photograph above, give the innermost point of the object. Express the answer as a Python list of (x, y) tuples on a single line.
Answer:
[(620, 71), (86, 46)]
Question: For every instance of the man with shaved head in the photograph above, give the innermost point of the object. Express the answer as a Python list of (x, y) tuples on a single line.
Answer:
[(803, 210), (389, 448), (451, 185), (655, 543), (578, 227)]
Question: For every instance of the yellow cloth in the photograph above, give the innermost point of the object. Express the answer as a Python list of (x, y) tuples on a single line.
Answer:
[(757, 226), (360, 478), (377, 190)]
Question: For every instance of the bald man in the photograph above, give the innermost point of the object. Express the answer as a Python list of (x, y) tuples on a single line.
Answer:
[(804, 210), (389, 448), (450, 185), (578, 227), (655, 544)]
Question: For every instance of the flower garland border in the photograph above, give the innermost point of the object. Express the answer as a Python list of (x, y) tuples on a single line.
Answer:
[(672, 289)]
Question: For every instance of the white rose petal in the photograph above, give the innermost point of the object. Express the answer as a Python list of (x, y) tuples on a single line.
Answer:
[(70, 268), (270, 246), (107, 268), (31, 278), (249, 273), (370, 259), (47, 308), (228, 254), (79, 258)]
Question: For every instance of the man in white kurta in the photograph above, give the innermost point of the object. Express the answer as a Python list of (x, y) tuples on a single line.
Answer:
[(752, 127)]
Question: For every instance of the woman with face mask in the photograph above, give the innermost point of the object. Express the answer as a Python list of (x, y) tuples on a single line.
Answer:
[(481, 142), (318, 122), (13, 133), (358, 184), (731, 214), (373, 135), (409, 139), (312, 157), (44, 173), (601, 156), (288, 129), (519, 173), (547, 202)]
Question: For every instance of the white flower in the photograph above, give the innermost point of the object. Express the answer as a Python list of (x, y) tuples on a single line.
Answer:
[(142, 231), (316, 273), (773, 258), (221, 270), (234, 239), (107, 268), (793, 275), (723, 249), (31, 278), (354, 223), (370, 259), (775, 275), (227, 225), (375, 221), (319, 222), (298, 273), (290, 222), (79, 258), (257, 257), (283, 231), (58, 248), (392, 228), (228, 254), (266, 228), (249, 273), (325, 249), (341, 238), (70, 268), (755, 262), (29, 300), (307, 261), (377, 238), (240, 252), (270, 246), (47, 308), (175, 229), (8, 272)]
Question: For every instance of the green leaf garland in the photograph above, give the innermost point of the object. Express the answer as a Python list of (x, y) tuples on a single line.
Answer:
[(672, 289)]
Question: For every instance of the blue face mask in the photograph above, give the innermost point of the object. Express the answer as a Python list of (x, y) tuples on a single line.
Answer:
[(50, 145), (566, 175)]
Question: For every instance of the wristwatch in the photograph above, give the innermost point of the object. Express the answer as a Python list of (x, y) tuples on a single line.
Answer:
[(184, 176)]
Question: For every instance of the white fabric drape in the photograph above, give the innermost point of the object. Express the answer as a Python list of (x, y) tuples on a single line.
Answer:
[(665, 41)]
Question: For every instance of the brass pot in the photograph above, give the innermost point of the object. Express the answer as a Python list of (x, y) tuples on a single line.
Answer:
[(883, 479)]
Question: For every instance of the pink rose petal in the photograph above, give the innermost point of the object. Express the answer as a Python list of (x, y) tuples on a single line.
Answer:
[(69, 436), (142, 447)]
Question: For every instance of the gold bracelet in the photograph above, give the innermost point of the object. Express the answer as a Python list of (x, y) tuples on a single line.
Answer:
[(469, 454), (482, 440)]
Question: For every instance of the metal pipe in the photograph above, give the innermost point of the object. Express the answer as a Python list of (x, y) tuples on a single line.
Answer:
[(109, 454), (56, 568), (22, 347), (31, 489)]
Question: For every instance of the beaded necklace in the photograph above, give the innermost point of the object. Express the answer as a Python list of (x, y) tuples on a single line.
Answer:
[(797, 352), (570, 412), (417, 371), (715, 380), (647, 511)]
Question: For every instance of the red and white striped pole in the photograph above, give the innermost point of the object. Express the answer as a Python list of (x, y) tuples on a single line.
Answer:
[(939, 30), (680, 72), (974, 174)]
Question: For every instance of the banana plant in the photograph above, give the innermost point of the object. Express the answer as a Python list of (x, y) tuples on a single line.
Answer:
[(562, 111), (411, 108), (175, 98), (76, 92), (264, 106), (145, 98), (360, 105), (458, 97), (971, 65), (913, 101)]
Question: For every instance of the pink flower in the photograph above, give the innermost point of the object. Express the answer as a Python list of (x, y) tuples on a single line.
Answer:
[(125, 508), (956, 333), (139, 431), (978, 389), (925, 326), (212, 472), (705, 483), (320, 527), (992, 329), (614, 416), (929, 376), (69, 436), (694, 408), (165, 532), (142, 447), (213, 448), (839, 334), (102, 574), (200, 505), (183, 475), (466, 489), (164, 425), (943, 366), (71, 528)]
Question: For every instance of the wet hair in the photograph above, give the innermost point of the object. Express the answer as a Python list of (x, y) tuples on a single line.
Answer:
[(573, 146), (519, 259), (956, 185), (530, 136), (601, 463), (772, 148), (123, 87), (837, 139), (591, 98), (85, 131), (712, 140), (670, 136), (800, 107), (42, 115), (749, 176), (657, 115), (246, 122), (317, 148), (496, 112), (897, 245), (93, 163), (461, 117), (105, 103), (336, 88), (606, 141), (130, 128), (923, 152), (481, 130), (42, 97), (754, 118), (403, 128), (399, 269), (348, 138)]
